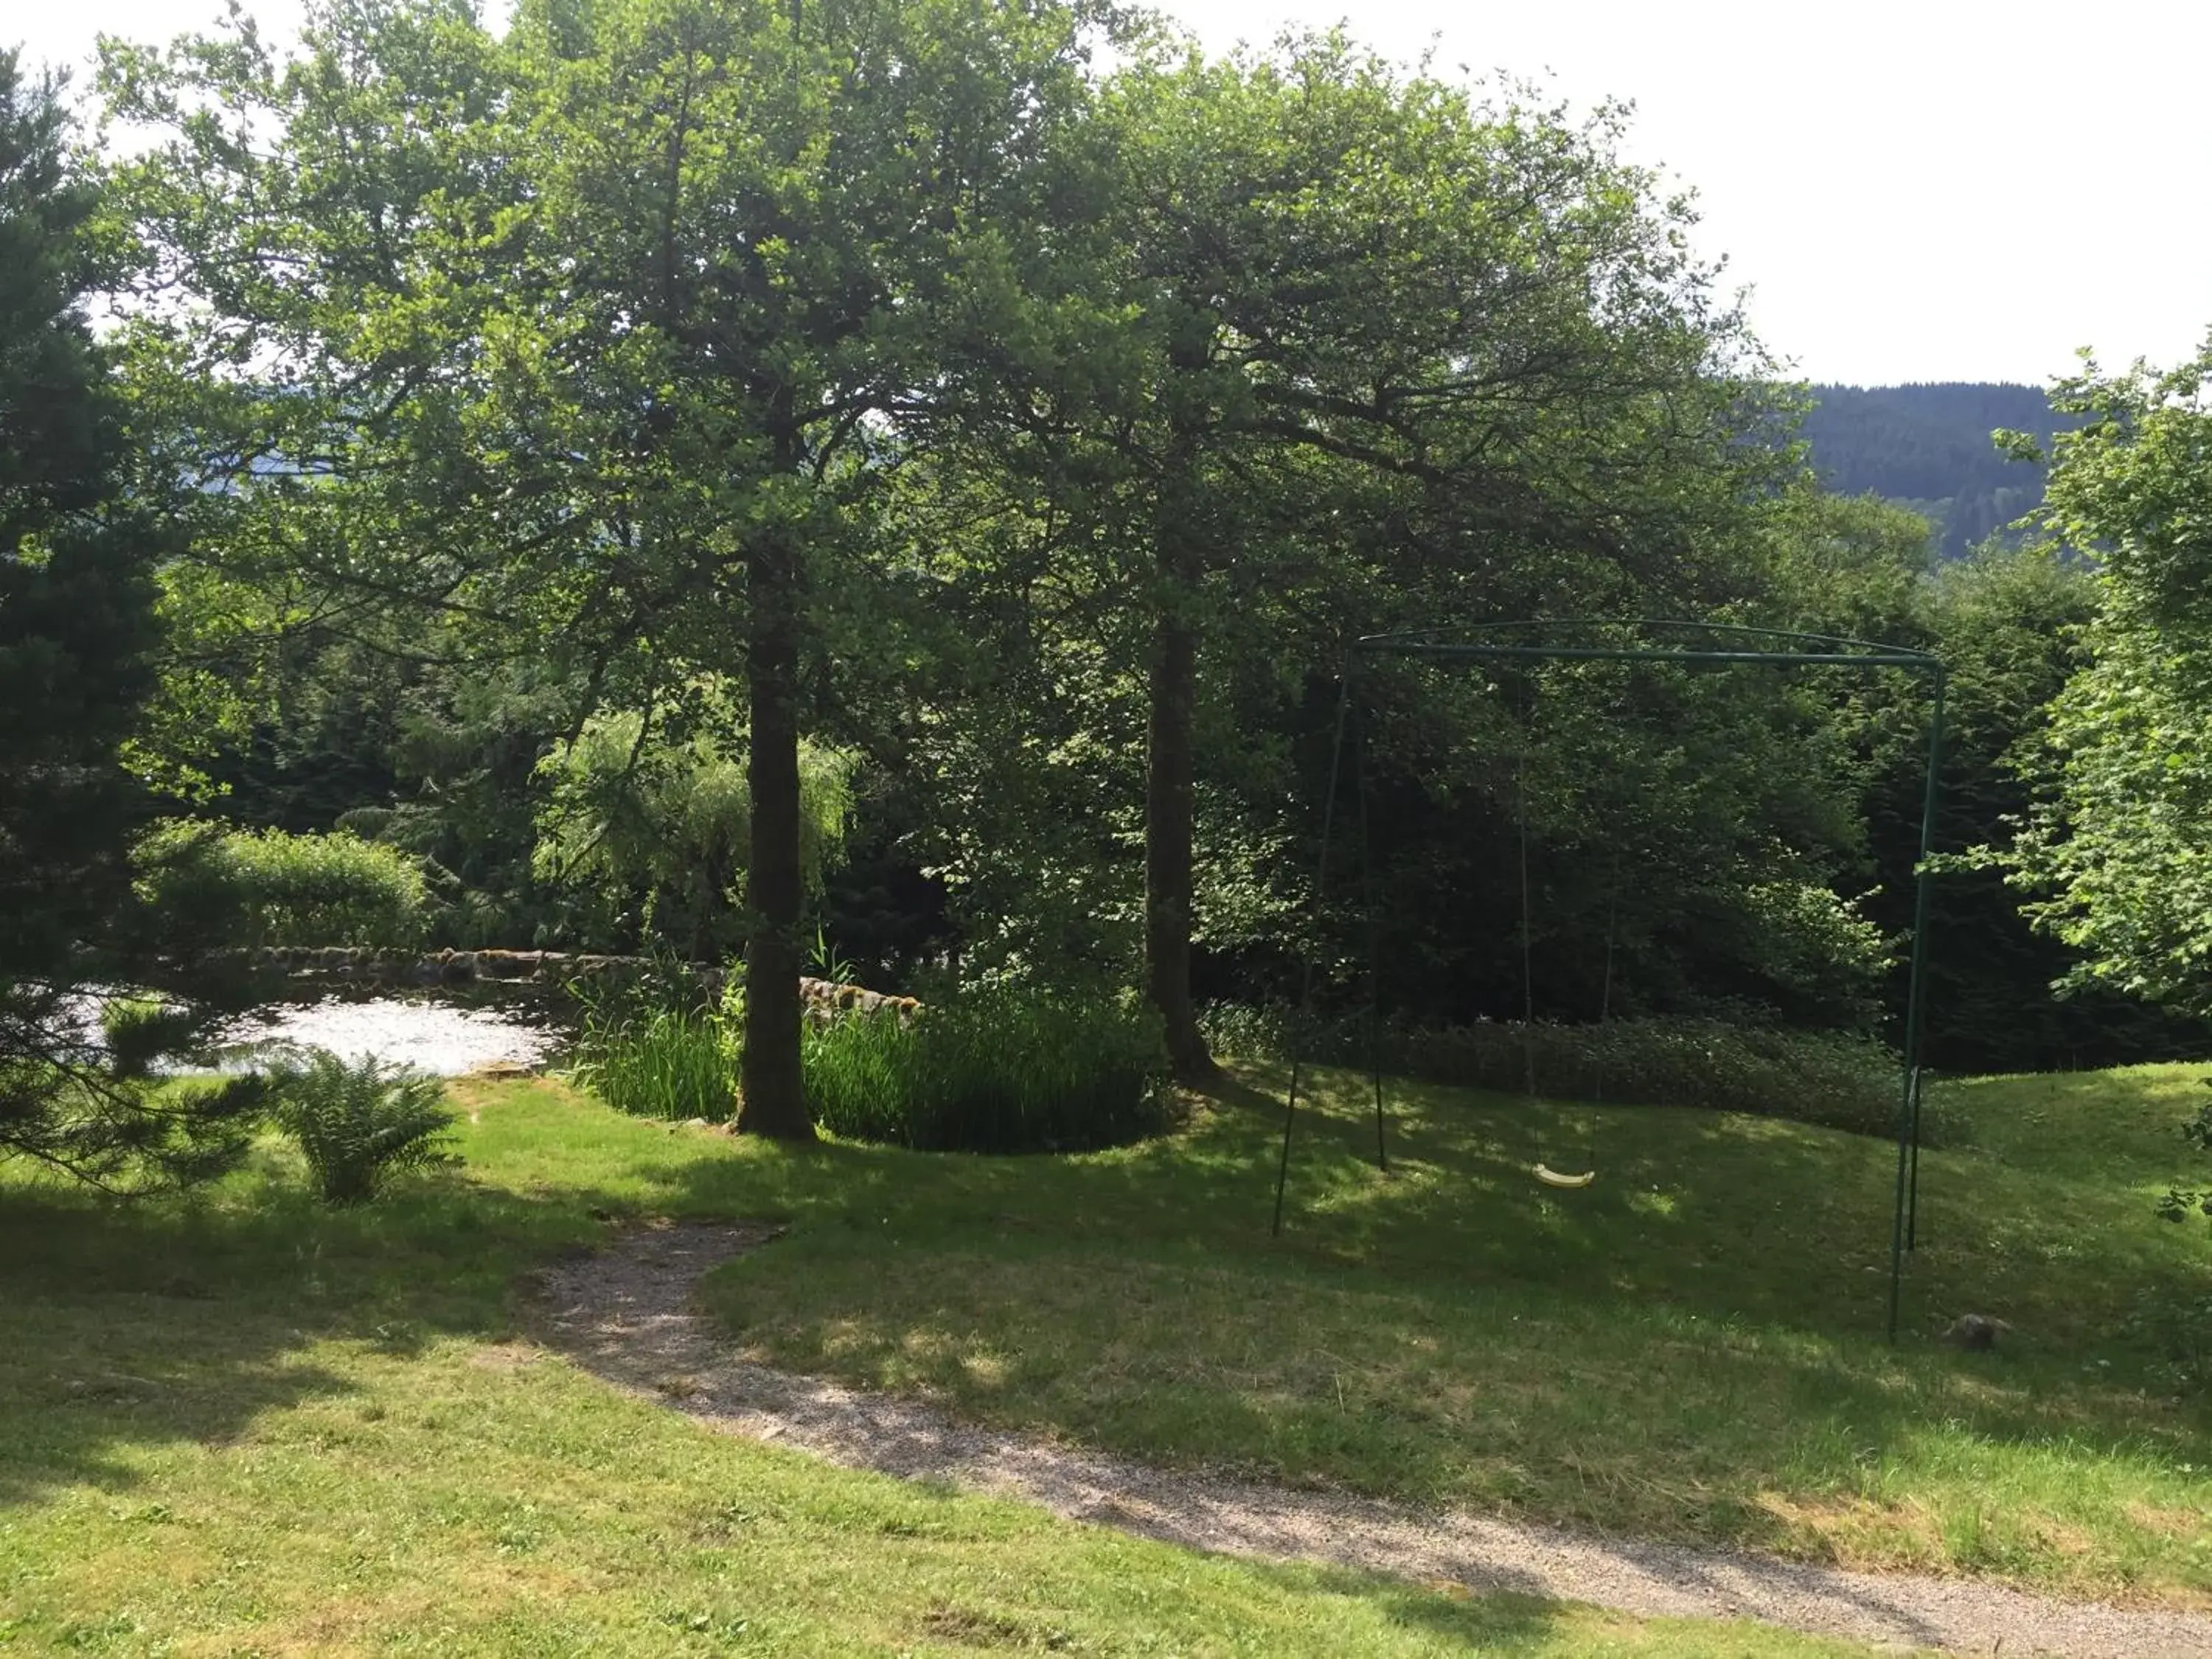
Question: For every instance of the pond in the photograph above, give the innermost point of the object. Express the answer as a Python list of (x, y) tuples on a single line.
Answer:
[(434, 1035)]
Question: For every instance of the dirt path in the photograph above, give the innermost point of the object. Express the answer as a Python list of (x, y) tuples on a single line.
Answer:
[(624, 1314)]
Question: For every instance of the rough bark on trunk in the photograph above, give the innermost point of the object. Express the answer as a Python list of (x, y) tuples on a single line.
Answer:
[(772, 1090), (1169, 779)]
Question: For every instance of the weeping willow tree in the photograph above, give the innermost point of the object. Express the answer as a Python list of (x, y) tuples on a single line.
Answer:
[(647, 815)]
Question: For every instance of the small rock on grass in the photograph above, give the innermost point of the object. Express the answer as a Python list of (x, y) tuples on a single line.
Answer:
[(1977, 1332)]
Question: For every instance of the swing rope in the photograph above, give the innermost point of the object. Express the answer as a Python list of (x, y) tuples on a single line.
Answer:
[(1542, 1170)]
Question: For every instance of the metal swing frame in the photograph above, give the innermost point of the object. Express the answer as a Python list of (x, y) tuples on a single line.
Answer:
[(1599, 640)]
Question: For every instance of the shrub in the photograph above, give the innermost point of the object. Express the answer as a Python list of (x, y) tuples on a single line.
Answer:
[(1832, 1078), (2176, 1327), (1005, 1070), (224, 886), (997, 1071), (360, 1123)]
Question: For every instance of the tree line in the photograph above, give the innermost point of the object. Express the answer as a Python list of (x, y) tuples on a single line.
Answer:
[(1929, 447), (901, 478)]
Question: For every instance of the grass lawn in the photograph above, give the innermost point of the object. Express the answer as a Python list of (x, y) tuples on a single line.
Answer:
[(241, 1424), (1690, 1348)]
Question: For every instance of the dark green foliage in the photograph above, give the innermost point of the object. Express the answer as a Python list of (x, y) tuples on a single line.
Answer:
[(1690, 841), (238, 887), (75, 625), (469, 744), (2180, 1201), (1002, 1070), (1832, 1079), (76, 629), (2008, 624), (1928, 447), (76, 600), (101, 1119), (2007, 621), (360, 1123)]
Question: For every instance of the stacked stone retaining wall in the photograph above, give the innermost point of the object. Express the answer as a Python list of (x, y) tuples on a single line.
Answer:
[(359, 964)]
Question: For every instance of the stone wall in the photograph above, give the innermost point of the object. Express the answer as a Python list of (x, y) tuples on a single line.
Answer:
[(360, 965)]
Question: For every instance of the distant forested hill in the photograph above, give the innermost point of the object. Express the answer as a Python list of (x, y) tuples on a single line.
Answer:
[(1928, 447)]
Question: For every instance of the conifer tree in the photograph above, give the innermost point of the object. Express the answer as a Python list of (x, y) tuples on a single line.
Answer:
[(76, 631)]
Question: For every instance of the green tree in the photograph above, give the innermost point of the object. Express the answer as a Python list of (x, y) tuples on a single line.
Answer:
[(2012, 624), (2007, 621), (1689, 840), (78, 549), (653, 809), (1393, 352), (797, 254), (601, 339), (2113, 852)]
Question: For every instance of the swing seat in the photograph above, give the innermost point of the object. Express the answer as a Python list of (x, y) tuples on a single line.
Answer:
[(1553, 1178)]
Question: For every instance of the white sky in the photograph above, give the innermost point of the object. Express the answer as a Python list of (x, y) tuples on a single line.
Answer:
[(1933, 190)]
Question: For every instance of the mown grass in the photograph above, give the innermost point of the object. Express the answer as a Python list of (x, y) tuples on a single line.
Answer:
[(1690, 1348), (246, 1423)]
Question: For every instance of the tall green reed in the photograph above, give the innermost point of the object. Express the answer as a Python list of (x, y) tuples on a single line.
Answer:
[(1003, 1070), (670, 1063)]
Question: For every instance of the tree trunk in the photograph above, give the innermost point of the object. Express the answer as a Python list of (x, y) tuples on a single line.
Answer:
[(772, 1093), (1170, 771)]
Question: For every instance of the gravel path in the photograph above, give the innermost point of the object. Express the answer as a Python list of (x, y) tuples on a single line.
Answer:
[(624, 1316)]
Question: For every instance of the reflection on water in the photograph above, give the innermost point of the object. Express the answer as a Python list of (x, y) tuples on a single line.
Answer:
[(434, 1037)]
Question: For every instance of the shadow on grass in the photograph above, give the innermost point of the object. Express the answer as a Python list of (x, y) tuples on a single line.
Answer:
[(1736, 1221), (1700, 1327), (84, 1380), (1516, 1616), (183, 1319), (1744, 1218), (1700, 1330), (175, 1319)]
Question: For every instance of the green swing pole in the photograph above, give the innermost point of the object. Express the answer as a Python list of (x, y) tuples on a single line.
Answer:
[(1374, 936), (1743, 646), (1305, 988), (1903, 1224)]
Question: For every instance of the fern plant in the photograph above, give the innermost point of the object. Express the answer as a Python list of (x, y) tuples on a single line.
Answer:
[(360, 1123)]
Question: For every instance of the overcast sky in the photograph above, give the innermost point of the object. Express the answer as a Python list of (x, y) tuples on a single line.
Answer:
[(1941, 190)]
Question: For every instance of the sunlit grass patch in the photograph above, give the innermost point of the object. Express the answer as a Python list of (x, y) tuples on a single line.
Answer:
[(246, 1421), (1691, 1348)]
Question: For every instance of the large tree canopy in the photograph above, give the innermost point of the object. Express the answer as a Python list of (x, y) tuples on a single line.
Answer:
[(1387, 351), (1038, 432), (594, 339)]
